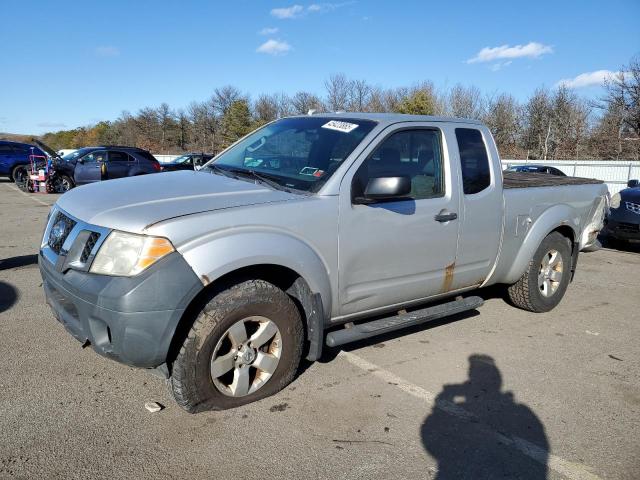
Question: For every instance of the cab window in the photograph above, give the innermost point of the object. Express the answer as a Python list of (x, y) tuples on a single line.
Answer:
[(416, 154), (474, 161)]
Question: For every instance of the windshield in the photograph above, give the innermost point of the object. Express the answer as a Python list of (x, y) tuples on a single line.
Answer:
[(74, 155), (182, 159), (299, 153)]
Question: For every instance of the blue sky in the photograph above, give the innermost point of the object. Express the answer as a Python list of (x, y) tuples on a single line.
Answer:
[(68, 64)]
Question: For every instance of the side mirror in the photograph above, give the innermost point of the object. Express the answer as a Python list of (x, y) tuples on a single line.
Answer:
[(385, 188), (81, 160), (633, 183)]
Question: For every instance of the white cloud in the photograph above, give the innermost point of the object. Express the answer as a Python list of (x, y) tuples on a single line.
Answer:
[(530, 50), (274, 47), (268, 31), (297, 11), (587, 79), (107, 51), (500, 65), (293, 11)]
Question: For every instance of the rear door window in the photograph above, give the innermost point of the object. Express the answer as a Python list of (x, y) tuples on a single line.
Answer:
[(118, 157), (474, 161), (146, 155), (6, 150)]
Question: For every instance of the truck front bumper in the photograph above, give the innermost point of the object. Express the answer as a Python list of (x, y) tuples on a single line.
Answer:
[(128, 319)]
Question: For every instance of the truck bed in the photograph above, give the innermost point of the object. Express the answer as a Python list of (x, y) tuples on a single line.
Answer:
[(528, 179)]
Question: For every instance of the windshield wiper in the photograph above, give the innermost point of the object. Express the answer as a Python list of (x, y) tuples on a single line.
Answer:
[(260, 177), (268, 181), (223, 171)]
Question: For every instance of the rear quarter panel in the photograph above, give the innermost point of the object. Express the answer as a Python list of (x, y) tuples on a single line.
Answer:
[(532, 213)]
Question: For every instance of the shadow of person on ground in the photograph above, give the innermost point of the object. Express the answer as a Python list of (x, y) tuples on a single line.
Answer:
[(8, 296), (478, 431), (17, 262)]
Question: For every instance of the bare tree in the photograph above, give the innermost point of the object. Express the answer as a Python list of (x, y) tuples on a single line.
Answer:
[(223, 98), (502, 116), (537, 124), (167, 125), (265, 109), (465, 102), (302, 102), (622, 107), (359, 95), (338, 89)]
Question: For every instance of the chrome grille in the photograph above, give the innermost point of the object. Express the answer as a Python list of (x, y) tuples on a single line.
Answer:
[(61, 226), (88, 247)]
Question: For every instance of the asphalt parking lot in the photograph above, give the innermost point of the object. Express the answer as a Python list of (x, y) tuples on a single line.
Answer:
[(499, 393)]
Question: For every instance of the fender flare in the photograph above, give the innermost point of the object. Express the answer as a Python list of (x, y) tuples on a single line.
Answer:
[(230, 250), (551, 219)]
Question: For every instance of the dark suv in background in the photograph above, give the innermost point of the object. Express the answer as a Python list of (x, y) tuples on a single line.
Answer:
[(623, 222), (188, 161), (14, 159), (94, 164)]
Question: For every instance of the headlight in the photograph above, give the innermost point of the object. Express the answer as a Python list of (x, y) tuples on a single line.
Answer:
[(615, 201), (127, 254)]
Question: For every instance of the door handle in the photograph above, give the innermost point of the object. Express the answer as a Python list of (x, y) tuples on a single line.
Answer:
[(445, 216)]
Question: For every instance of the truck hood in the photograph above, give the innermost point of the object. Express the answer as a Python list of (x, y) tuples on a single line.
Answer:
[(135, 203)]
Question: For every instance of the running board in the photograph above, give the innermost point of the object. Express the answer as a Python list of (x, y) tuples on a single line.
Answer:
[(403, 320)]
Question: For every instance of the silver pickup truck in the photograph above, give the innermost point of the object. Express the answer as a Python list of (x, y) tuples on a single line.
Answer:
[(311, 231)]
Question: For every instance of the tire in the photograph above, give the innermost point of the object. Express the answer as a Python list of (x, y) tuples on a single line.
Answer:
[(251, 303), (529, 293), (60, 184), (20, 176)]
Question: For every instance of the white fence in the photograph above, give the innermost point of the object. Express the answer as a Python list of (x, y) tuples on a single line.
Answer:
[(165, 158), (614, 173)]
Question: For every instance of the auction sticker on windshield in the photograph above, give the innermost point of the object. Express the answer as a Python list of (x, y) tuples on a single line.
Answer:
[(345, 127)]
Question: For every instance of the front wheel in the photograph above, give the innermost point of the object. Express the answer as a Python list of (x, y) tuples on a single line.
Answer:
[(547, 277), (245, 345)]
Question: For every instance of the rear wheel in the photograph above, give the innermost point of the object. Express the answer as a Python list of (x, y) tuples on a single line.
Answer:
[(245, 345), (545, 281), (59, 184)]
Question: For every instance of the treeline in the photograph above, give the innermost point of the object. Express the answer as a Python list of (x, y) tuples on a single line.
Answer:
[(550, 124)]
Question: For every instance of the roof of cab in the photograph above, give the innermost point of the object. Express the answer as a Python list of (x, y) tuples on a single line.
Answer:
[(389, 118)]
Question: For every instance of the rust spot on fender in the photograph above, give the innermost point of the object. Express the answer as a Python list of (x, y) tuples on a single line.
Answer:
[(205, 280), (448, 277)]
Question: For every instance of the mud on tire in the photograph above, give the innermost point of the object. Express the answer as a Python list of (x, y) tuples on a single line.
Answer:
[(192, 382)]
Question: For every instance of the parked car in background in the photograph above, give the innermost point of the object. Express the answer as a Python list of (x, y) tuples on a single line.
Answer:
[(94, 164), (536, 169), (189, 161), (623, 221), (14, 159), (66, 151)]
